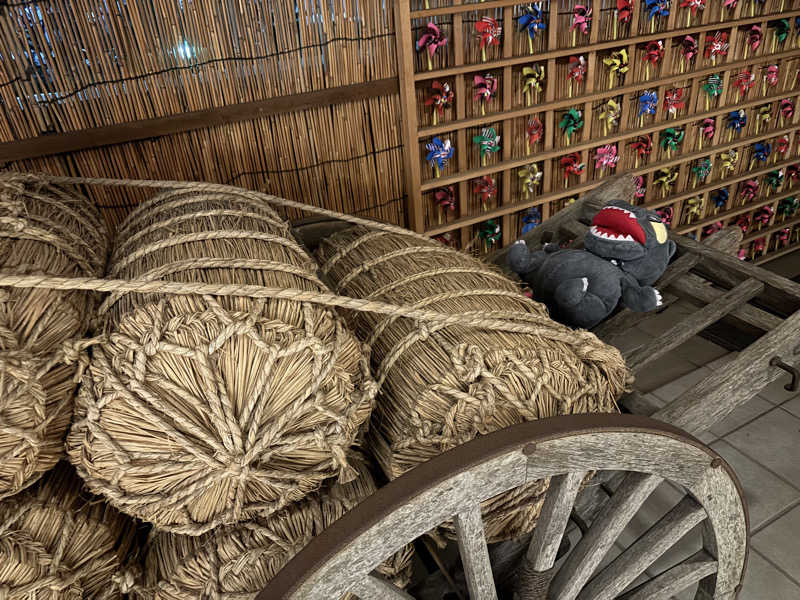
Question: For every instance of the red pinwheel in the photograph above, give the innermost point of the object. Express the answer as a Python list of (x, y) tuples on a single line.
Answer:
[(782, 144), (771, 76), (446, 199), (673, 101), (744, 222), (485, 188), (572, 164), (713, 228), (624, 8), (758, 246), (688, 49), (793, 173), (485, 89), (763, 216), (716, 46), (693, 5), (535, 131), (749, 190), (787, 108), (577, 68), (744, 81), (441, 97), (643, 145), (654, 52), (666, 215), (431, 40), (489, 31), (754, 37)]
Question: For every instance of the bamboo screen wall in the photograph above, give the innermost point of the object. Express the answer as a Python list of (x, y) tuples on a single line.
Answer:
[(67, 65)]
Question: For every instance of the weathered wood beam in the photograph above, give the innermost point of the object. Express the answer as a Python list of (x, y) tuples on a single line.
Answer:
[(121, 133)]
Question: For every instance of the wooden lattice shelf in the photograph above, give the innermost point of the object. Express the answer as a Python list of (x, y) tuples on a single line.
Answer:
[(756, 194)]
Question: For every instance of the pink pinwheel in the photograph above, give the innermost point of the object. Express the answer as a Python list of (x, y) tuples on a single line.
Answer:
[(431, 40), (758, 246), (535, 131), (485, 89), (786, 108), (716, 46), (763, 216), (772, 75), (606, 157), (754, 37), (640, 192), (489, 31), (783, 236), (673, 101), (749, 190), (666, 214), (688, 48), (709, 127), (581, 18), (713, 228)]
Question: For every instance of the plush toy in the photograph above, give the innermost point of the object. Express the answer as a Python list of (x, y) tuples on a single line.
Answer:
[(625, 251)]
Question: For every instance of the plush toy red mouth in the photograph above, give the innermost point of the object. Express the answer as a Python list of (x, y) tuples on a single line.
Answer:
[(615, 223)]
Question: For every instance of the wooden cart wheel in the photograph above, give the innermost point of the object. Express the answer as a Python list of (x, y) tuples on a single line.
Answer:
[(451, 486)]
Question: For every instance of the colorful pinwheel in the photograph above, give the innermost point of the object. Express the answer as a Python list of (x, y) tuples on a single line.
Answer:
[(666, 178), (688, 50), (643, 146), (673, 101), (763, 115), (606, 157), (774, 179), (792, 174), (701, 170), (609, 116), (439, 152), (441, 97), (694, 208), (749, 190), (736, 120), (716, 46), (640, 191), (656, 8), (534, 132), (653, 53), (754, 37), (533, 78), (446, 199), (488, 141), (431, 40), (572, 166), (581, 19), (529, 178), (719, 198), (576, 71), (707, 129), (770, 77), (730, 5), (532, 218), (781, 147), (744, 81), (490, 234), (780, 31), (666, 215), (786, 109), (763, 216), (713, 228), (712, 87), (617, 64), (532, 20), (782, 237), (787, 207), (758, 247), (744, 222), (670, 138), (761, 151), (571, 122), (485, 188), (623, 12), (694, 6), (648, 102), (485, 89), (728, 161), (489, 31)]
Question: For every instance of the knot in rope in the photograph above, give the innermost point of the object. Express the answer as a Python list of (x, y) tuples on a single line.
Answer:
[(125, 580)]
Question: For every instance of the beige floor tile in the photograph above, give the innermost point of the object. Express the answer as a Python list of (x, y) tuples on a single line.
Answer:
[(780, 542), (766, 495), (662, 372), (793, 406), (773, 440), (659, 323), (675, 387), (700, 351), (762, 581), (753, 408), (775, 391)]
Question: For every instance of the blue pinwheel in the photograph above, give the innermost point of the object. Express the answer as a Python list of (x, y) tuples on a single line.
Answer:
[(657, 8), (761, 151), (720, 197), (648, 102), (531, 219), (532, 20), (439, 152), (737, 119)]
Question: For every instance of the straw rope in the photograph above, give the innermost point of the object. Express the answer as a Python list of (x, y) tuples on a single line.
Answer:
[(44, 231), (235, 563), (58, 542)]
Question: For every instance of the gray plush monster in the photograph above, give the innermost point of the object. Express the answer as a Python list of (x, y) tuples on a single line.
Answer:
[(626, 250)]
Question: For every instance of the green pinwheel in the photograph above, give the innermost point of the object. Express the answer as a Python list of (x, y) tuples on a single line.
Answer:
[(488, 142), (774, 180), (787, 207), (701, 170), (780, 31), (571, 122), (712, 87), (670, 139), (490, 234)]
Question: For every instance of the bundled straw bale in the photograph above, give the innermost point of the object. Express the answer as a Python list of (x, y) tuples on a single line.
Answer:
[(59, 541), (442, 386), (202, 411), (44, 230), (236, 562)]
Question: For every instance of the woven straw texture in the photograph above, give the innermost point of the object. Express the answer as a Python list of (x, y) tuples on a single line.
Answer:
[(201, 411), (235, 563), (45, 230), (57, 541), (442, 386)]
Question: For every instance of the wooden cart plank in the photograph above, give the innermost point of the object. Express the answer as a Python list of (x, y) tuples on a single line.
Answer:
[(693, 324), (377, 588), (675, 580), (475, 553)]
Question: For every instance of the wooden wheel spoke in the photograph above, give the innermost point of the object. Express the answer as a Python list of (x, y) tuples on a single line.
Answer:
[(593, 546), (377, 588), (475, 554), (644, 551), (675, 580)]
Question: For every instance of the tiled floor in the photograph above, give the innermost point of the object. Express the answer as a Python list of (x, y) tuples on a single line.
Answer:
[(761, 441)]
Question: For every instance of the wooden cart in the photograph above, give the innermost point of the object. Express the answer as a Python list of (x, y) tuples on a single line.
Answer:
[(740, 306)]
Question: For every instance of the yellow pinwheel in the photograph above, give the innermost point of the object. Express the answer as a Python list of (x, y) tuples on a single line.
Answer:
[(530, 177), (729, 160), (609, 116), (763, 116), (694, 208), (617, 65), (666, 178), (533, 79)]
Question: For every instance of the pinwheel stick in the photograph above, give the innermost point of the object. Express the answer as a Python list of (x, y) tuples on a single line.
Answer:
[(611, 80), (636, 161), (483, 54), (616, 18), (530, 44), (700, 141), (774, 41), (569, 89), (688, 18), (436, 170), (707, 102), (435, 117), (652, 24), (430, 63), (574, 37), (647, 69)]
